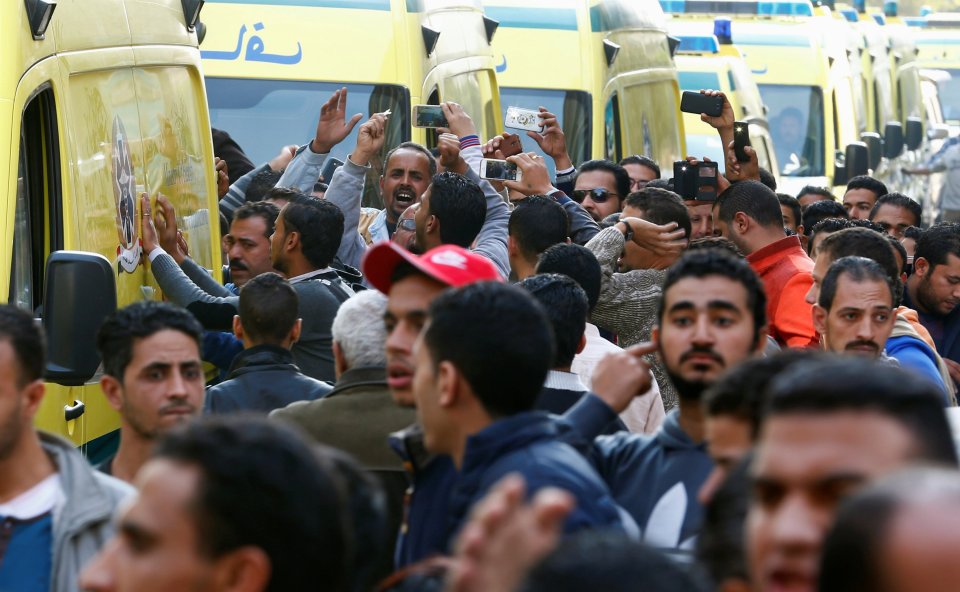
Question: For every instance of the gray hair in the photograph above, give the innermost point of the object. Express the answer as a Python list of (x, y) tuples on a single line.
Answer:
[(359, 330)]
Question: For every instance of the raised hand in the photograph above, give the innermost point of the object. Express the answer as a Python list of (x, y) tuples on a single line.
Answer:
[(552, 141), (333, 126), (370, 139)]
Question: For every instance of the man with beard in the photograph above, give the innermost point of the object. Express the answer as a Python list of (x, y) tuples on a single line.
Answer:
[(56, 510), (712, 317), (152, 375), (854, 313), (934, 290)]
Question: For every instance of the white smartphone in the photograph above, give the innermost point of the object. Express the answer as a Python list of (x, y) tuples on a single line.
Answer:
[(428, 116), (499, 170), (524, 119)]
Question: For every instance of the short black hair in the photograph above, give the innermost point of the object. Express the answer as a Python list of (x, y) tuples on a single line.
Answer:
[(660, 207), (413, 146), (863, 242), (282, 193), (859, 269), (320, 187), (261, 183), (262, 485), (610, 561), (715, 242), (576, 262), (912, 232), (861, 223), (814, 190), (661, 184), (794, 205), (537, 223), (460, 207), (822, 210), (642, 161), (269, 308), (320, 224), (754, 199), (498, 336), (18, 328), (263, 209), (869, 183), (715, 262), (140, 320), (767, 178), (566, 306), (938, 241), (833, 384), (620, 175), (742, 392), (901, 201)]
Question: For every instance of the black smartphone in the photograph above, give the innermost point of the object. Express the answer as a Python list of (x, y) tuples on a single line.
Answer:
[(695, 181), (694, 102), (741, 139), (330, 166)]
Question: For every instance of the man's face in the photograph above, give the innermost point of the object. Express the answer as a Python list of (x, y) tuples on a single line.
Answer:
[(707, 328), (788, 220), (163, 383), (157, 545), (728, 442), (12, 419), (919, 549), (640, 175), (420, 216), (859, 320), (701, 218), (599, 179), (248, 249), (405, 177), (895, 219), (406, 314), (938, 290), (426, 392), (808, 198), (406, 232), (634, 256), (815, 241), (859, 202), (805, 465), (277, 253), (820, 267)]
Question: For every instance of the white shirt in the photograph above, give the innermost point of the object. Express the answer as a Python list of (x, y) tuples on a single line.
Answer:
[(36, 501), (646, 412)]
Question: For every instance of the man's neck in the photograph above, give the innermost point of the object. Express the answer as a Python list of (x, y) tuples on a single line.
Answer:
[(459, 447), (133, 452), (25, 468), (523, 268), (691, 419), (299, 266), (764, 238), (913, 286)]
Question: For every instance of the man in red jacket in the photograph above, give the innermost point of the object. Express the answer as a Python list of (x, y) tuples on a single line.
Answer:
[(748, 213)]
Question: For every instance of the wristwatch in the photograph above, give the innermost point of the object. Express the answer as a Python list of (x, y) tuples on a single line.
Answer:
[(628, 233)]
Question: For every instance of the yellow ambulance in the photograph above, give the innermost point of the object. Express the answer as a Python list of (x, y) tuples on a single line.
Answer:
[(99, 99), (704, 62), (938, 43), (603, 67), (270, 64)]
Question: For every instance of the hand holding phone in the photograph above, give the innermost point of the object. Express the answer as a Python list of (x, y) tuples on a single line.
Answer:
[(429, 116), (499, 170), (699, 103)]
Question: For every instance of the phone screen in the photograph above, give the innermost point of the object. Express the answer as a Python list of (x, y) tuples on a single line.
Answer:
[(499, 169), (429, 116)]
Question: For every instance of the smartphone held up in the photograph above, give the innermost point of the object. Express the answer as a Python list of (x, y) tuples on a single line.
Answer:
[(523, 119), (499, 170), (429, 116)]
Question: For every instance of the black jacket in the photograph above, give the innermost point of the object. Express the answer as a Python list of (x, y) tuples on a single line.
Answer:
[(261, 379)]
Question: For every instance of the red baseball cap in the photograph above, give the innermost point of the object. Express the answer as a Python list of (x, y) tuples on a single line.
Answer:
[(448, 264)]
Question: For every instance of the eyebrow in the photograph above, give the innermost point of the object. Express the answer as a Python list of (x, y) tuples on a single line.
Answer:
[(132, 530), (722, 305)]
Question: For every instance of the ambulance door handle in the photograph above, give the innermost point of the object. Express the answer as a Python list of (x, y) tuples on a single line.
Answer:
[(74, 411)]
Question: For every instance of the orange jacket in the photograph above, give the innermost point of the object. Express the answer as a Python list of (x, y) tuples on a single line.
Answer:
[(786, 273)]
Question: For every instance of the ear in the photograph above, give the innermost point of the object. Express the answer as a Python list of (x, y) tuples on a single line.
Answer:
[(583, 344), (762, 340), (381, 184), (903, 278), (920, 266), (512, 247), (33, 395), (742, 222), (339, 363), (432, 225), (800, 231), (237, 327), (112, 390), (295, 331), (820, 319), (655, 335), (292, 240), (246, 569), (448, 384)]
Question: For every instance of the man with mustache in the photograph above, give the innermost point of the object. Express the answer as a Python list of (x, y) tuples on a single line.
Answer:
[(247, 245), (152, 375), (854, 313), (712, 317)]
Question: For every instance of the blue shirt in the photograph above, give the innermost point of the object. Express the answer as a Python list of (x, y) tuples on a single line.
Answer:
[(26, 553)]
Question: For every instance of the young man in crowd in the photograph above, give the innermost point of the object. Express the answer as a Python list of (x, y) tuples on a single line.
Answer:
[(861, 195), (56, 510), (748, 213), (152, 375), (600, 188), (895, 212), (263, 377), (536, 224), (642, 170), (792, 215), (810, 194)]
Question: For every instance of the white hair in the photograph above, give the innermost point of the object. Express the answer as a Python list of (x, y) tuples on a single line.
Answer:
[(359, 330)]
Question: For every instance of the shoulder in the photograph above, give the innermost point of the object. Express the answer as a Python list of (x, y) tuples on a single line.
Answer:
[(114, 489)]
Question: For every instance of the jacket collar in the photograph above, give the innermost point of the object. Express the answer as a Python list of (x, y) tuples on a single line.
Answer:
[(671, 435), (260, 357), (775, 249), (505, 435), (563, 381), (360, 376)]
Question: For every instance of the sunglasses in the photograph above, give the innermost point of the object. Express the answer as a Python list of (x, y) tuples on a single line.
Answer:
[(408, 224), (598, 195)]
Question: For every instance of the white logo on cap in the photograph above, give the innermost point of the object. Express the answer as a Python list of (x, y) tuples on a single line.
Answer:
[(450, 259)]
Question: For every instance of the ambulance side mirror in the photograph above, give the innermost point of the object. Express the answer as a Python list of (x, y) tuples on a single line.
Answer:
[(893, 139), (914, 133), (874, 148), (80, 293), (857, 160)]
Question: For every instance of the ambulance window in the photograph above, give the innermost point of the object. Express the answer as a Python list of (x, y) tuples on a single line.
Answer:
[(38, 221), (613, 145)]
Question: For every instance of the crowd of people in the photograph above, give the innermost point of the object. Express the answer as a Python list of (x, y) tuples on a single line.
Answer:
[(562, 383)]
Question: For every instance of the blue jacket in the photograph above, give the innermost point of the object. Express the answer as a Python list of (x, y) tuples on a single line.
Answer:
[(529, 444), (916, 356)]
